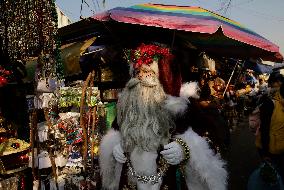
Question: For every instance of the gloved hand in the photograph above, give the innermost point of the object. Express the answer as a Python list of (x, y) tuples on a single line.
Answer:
[(173, 153), (118, 154)]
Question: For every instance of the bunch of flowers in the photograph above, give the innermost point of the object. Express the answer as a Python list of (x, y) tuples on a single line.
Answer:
[(146, 54), (4, 76)]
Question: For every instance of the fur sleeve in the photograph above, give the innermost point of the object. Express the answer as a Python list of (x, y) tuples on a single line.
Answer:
[(203, 166), (110, 169), (176, 105)]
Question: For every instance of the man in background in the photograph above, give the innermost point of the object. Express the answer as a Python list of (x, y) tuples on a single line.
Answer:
[(270, 141)]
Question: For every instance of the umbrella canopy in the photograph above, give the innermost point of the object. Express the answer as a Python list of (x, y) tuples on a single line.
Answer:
[(196, 20)]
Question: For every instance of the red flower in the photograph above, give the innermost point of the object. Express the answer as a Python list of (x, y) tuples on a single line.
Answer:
[(145, 54)]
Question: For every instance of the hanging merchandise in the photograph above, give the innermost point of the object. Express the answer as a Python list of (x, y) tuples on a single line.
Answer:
[(111, 94), (106, 74), (32, 34), (208, 63), (67, 143), (71, 96)]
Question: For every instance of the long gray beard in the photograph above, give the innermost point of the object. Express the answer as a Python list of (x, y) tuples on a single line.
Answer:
[(143, 121)]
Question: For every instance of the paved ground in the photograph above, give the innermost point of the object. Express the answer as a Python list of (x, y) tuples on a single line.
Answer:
[(243, 157)]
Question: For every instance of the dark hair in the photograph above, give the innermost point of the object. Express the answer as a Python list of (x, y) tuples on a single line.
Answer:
[(275, 77)]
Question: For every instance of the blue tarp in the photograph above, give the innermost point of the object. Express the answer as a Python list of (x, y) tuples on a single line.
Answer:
[(258, 67)]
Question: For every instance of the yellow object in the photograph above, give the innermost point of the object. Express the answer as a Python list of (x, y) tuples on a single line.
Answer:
[(96, 150), (276, 132), (276, 144), (71, 54)]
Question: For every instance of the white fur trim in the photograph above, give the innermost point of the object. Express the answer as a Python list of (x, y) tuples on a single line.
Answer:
[(110, 169), (205, 170), (190, 90), (176, 105)]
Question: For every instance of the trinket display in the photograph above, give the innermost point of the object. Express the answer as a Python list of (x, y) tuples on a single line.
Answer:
[(106, 74), (12, 146), (61, 139), (110, 94), (71, 96), (9, 184), (13, 155)]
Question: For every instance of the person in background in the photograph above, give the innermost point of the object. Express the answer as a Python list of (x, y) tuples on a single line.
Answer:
[(270, 140), (251, 78), (230, 106), (262, 86)]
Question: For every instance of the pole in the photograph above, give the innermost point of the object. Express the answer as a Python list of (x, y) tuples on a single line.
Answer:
[(240, 72), (229, 81)]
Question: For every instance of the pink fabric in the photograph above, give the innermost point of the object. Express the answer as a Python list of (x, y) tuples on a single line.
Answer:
[(165, 21), (192, 23)]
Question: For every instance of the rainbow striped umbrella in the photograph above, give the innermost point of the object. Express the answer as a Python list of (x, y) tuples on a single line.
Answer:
[(192, 19)]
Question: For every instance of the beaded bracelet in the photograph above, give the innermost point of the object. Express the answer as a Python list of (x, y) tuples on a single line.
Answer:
[(186, 149)]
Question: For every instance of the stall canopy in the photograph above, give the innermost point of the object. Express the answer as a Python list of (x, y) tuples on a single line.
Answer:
[(71, 54), (258, 67), (208, 30)]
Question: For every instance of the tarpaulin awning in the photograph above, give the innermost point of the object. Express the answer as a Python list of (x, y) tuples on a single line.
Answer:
[(192, 19), (258, 67), (71, 54)]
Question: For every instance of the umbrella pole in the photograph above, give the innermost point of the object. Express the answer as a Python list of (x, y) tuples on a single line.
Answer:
[(230, 78), (173, 40), (240, 72)]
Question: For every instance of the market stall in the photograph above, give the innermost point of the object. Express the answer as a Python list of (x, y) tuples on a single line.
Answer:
[(72, 108)]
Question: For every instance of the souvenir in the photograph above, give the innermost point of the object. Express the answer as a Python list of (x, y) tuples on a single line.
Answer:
[(44, 160)]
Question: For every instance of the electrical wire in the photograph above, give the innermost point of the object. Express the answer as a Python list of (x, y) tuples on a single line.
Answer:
[(68, 13), (228, 6), (96, 5), (233, 5), (81, 16), (252, 12), (88, 5)]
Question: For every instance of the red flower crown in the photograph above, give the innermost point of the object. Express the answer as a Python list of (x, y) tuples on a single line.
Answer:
[(146, 54)]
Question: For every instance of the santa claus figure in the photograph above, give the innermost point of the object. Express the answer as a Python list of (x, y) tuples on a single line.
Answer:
[(153, 147)]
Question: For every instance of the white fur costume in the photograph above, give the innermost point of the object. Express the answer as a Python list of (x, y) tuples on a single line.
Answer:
[(204, 171)]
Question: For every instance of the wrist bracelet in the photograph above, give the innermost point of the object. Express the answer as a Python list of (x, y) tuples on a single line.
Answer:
[(186, 149)]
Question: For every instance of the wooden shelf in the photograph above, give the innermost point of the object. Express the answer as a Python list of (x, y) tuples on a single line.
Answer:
[(9, 172), (15, 152)]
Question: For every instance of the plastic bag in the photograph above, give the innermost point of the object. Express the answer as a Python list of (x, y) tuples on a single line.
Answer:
[(257, 180)]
